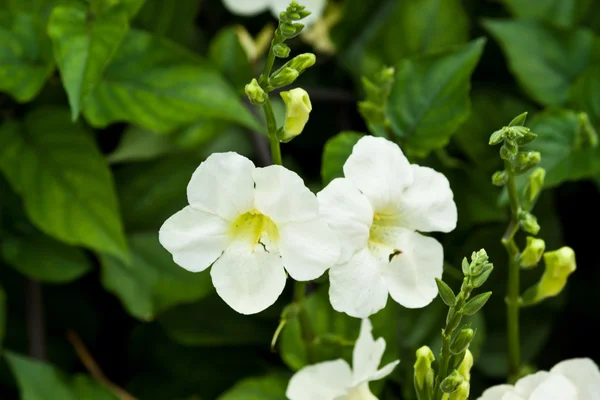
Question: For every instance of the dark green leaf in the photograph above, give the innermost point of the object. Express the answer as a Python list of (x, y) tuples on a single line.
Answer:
[(544, 59), (170, 19), (563, 13), (270, 387), (38, 380), (166, 88), (227, 53), (84, 48), (585, 94), (446, 293), (197, 325), (138, 144), (476, 303), (152, 282), (336, 152), (430, 97), (66, 186), (45, 259)]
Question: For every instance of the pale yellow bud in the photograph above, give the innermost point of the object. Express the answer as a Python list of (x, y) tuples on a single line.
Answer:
[(466, 365), (559, 265), (297, 111)]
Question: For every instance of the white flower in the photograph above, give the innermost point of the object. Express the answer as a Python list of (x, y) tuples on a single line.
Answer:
[(375, 211), (335, 380), (251, 223), (575, 379), (255, 7)]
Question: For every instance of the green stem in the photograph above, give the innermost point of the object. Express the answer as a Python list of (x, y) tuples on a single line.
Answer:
[(513, 288), (272, 132), (306, 330)]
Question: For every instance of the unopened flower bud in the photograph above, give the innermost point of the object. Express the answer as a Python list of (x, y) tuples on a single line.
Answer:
[(499, 178), (283, 77), (424, 376), (462, 393), (290, 30), (301, 62), (529, 223), (536, 183), (509, 149), (452, 382), (465, 367), (527, 137), (297, 111), (255, 93), (526, 160), (462, 340), (281, 50), (533, 252), (559, 264)]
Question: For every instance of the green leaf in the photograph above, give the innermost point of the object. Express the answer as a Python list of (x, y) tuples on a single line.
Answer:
[(66, 186), (423, 26), (270, 387), (564, 13), (430, 97), (45, 259), (152, 282), (170, 19), (544, 59), (557, 132), (227, 53), (336, 152), (585, 94), (2, 316), (38, 380), (476, 303), (446, 294), (195, 325), (26, 60), (84, 47), (138, 144), (166, 88)]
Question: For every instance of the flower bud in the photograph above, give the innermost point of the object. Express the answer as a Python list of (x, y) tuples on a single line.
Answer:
[(283, 77), (536, 183), (527, 136), (526, 160), (462, 341), (289, 30), (462, 393), (509, 149), (533, 252), (255, 93), (483, 274), (465, 367), (529, 223), (559, 264), (452, 382), (499, 178), (297, 111), (281, 50), (424, 376), (301, 62), (497, 137)]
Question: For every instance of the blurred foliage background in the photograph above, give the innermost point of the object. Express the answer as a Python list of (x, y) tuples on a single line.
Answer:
[(107, 107)]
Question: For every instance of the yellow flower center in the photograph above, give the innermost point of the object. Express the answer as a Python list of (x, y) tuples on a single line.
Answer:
[(254, 228), (382, 236)]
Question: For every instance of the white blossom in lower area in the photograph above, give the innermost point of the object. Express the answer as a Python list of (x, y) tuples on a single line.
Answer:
[(376, 211), (575, 379), (335, 380), (249, 8), (252, 225)]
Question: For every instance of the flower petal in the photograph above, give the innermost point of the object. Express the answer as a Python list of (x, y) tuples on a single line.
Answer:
[(282, 196), (223, 185), (410, 276), (556, 387), (348, 213), (356, 287), (385, 371), (367, 354), (246, 7), (326, 380), (316, 8), (249, 279), (428, 204), (584, 374), (194, 238), (526, 385), (380, 170), (497, 393), (308, 249)]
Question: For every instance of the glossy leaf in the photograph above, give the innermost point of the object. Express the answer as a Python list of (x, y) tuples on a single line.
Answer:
[(45, 259), (270, 387), (66, 186), (170, 19), (336, 152), (545, 71), (430, 97), (84, 48), (166, 88), (152, 282)]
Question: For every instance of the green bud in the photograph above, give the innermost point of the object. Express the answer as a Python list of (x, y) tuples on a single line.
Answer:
[(452, 319), (301, 62), (559, 264), (466, 267), (526, 160), (446, 293), (255, 93), (482, 277), (297, 110), (462, 393), (533, 252), (529, 222), (527, 137), (283, 77), (497, 137), (303, 14), (519, 120), (290, 30), (424, 375), (466, 365), (462, 340), (536, 183), (499, 178), (451, 383), (281, 50), (476, 303), (509, 149)]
